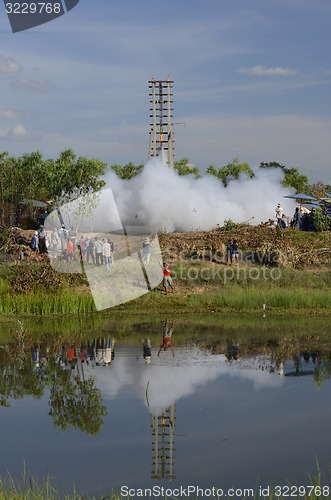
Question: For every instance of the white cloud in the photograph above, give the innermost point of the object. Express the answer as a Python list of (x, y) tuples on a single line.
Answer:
[(263, 71), (7, 113), (27, 83), (18, 131), (9, 66)]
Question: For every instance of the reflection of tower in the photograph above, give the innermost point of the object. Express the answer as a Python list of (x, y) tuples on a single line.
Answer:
[(163, 440), (161, 141)]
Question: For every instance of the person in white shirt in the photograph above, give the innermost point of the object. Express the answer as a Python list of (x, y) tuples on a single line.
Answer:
[(107, 253)]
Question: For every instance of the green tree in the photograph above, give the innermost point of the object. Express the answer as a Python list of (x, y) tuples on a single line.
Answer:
[(321, 222), (31, 177), (293, 178), (232, 171), (272, 164), (76, 402), (17, 378), (185, 167), (318, 190), (127, 171), (70, 177)]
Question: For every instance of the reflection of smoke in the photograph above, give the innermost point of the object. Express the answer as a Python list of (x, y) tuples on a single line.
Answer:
[(168, 201), (168, 383)]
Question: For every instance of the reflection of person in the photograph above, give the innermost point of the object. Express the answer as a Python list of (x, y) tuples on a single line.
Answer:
[(104, 352), (167, 336), (147, 351), (232, 351), (72, 357)]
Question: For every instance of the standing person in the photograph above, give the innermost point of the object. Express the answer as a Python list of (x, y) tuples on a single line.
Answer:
[(229, 252), (146, 251), (70, 251), (82, 248), (90, 251), (20, 253), (297, 218), (54, 244), (98, 251), (235, 252), (42, 239), (279, 214), (62, 233), (106, 252), (166, 339), (34, 242), (167, 280), (112, 249)]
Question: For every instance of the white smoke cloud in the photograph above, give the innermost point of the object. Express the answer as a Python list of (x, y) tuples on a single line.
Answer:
[(163, 199)]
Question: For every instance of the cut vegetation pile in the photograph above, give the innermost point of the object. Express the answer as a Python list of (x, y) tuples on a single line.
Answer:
[(258, 244)]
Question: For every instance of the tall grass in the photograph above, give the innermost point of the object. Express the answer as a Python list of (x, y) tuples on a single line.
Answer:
[(232, 290), (39, 303), (29, 489)]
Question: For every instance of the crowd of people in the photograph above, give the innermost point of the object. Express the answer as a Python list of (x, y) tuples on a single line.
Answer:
[(67, 245), (302, 218)]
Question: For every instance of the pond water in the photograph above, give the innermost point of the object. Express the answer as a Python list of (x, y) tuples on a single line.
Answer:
[(101, 413)]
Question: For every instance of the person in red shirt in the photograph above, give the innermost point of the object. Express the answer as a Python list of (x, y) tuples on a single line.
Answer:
[(167, 280), (70, 250), (166, 340)]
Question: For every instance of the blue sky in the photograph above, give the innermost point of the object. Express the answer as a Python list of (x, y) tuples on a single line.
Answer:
[(252, 80)]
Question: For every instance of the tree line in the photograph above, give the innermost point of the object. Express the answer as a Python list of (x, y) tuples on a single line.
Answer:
[(31, 177), (233, 171)]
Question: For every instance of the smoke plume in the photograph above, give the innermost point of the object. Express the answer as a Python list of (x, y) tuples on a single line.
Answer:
[(163, 200)]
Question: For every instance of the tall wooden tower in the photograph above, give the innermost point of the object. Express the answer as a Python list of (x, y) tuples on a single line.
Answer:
[(161, 137), (163, 427)]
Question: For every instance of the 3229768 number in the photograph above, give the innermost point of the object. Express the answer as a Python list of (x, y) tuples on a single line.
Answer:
[(33, 8)]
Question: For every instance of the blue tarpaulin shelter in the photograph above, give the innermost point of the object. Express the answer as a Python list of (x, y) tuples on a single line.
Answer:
[(302, 198)]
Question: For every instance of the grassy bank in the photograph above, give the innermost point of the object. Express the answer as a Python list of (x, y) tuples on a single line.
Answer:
[(29, 489), (199, 288), (232, 299)]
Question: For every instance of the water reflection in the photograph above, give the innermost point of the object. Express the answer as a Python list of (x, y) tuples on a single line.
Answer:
[(166, 408), (71, 373)]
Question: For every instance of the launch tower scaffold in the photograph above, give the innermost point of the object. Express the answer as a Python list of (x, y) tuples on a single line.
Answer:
[(163, 427), (161, 136)]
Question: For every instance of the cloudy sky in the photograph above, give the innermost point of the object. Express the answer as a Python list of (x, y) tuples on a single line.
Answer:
[(252, 80)]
